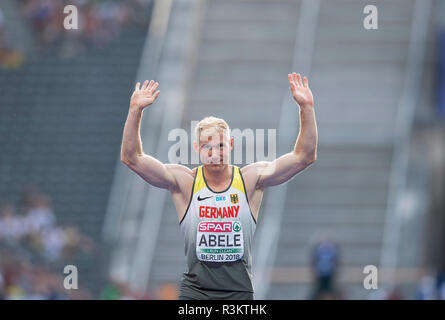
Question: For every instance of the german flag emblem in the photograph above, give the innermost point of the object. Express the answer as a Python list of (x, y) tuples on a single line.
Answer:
[(234, 198)]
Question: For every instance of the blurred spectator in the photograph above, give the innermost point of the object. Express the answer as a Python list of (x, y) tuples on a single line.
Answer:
[(111, 292), (22, 281), (426, 288), (12, 227), (168, 291), (10, 57), (42, 232), (99, 21), (118, 290), (53, 241), (394, 294), (324, 262), (440, 285), (39, 215), (35, 234)]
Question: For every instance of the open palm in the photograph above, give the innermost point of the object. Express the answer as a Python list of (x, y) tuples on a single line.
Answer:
[(300, 90), (145, 95)]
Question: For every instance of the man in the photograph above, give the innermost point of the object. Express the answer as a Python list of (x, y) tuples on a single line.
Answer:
[(325, 263), (218, 203)]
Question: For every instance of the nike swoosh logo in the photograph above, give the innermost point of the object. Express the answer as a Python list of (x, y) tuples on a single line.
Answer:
[(200, 199)]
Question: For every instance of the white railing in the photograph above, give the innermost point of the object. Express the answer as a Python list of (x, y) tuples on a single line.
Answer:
[(128, 191), (269, 229), (402, 135)]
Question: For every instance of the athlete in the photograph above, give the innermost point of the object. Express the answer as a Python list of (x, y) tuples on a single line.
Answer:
[(218, 203)]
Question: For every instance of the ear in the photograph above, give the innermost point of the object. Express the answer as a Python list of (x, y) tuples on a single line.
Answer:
[(195, 146), (231, 143)]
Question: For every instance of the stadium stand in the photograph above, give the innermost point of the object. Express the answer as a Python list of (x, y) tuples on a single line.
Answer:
[(61, 122)]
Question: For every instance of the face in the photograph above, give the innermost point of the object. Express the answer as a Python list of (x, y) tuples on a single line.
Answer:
[(214, 149)]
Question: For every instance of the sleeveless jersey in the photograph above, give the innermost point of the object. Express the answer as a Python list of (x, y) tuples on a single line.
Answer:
[(218, 229)]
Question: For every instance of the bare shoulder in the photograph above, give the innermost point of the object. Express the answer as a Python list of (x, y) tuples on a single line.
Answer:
[(179, 168), (252, 172), (251, 176), (183, 175), (254, 168)]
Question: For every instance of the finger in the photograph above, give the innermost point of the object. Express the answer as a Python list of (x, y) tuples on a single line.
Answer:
[(292, 84), (299, 82), (306, 82), (149, 85), (144, 85), (294, 77), (138, 84), (154, 87), (293, 90), (293, 81), (156, 94)]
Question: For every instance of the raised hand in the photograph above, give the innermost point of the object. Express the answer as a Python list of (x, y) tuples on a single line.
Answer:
[(145, 95), (300, 90)]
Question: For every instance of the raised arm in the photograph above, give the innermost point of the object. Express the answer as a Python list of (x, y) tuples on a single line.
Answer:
[(150, 169), (304, 152)]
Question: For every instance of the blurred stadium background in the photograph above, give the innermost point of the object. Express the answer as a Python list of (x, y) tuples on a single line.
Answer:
[(375, 196)]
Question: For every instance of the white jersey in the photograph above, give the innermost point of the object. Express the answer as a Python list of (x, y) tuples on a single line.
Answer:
[(218, 229)]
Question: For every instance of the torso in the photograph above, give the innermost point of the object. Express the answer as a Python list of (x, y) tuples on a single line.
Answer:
[(181, 196), (218, 229)]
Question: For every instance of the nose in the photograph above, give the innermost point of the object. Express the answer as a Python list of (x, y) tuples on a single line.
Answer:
[(213, 151), (213, 155)]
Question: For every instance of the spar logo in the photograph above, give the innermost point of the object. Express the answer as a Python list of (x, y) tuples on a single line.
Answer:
[(219, 226), (215, 227)]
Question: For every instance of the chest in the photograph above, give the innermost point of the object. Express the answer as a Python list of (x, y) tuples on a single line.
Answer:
[(226, 205)]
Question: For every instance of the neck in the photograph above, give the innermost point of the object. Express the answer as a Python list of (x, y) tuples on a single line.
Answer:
[(217, 176)]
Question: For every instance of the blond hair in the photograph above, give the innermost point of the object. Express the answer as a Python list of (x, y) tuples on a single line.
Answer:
[(212, 122)]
